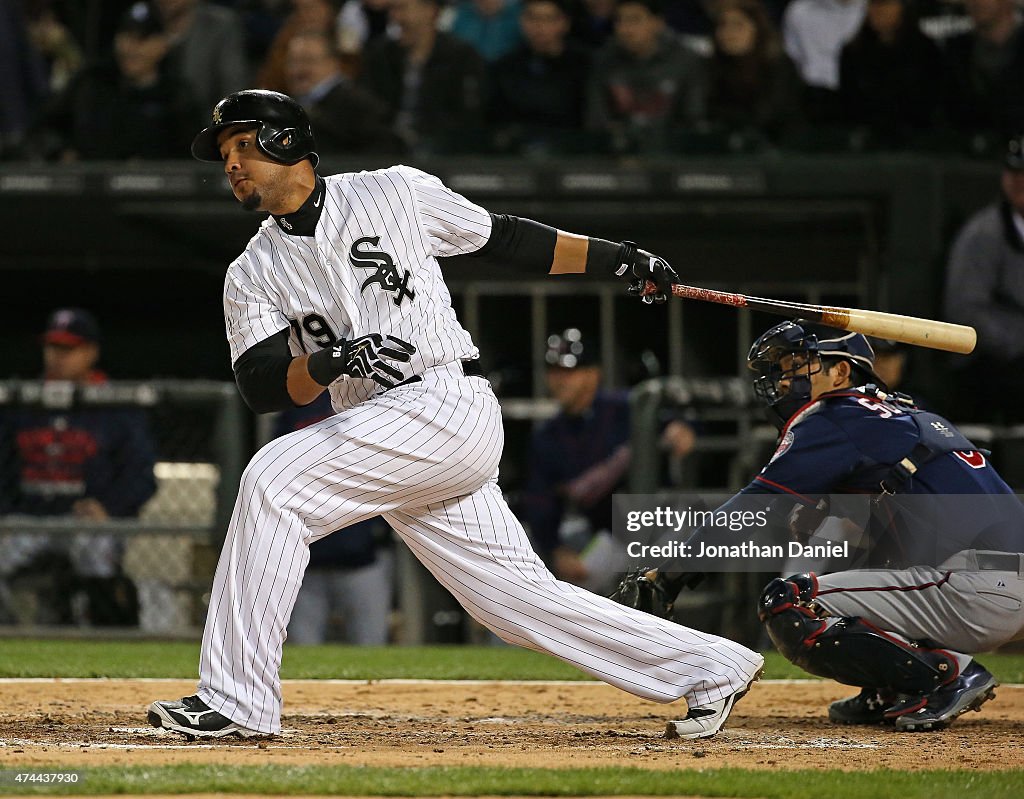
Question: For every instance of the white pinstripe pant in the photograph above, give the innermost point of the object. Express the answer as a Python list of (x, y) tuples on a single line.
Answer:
[(425, 456)]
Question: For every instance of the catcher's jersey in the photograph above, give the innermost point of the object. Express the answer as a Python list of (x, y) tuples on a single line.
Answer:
[(848, 442), (370, 267)]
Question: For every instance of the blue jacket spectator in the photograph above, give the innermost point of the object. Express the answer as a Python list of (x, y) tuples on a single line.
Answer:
[(491, 26)]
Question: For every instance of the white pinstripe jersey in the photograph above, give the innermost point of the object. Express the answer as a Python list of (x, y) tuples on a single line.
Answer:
[(371, 267)]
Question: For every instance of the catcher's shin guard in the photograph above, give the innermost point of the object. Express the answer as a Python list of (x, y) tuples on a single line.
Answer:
[(848, 650)]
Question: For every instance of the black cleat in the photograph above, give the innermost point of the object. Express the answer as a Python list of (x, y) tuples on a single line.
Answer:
[(194, 719), (867, 707), (969, 691)]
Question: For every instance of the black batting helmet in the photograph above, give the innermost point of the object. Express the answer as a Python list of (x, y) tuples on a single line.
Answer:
[(285, 134)]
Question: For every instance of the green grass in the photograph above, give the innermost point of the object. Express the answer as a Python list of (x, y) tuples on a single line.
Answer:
[(476, 781), (127, 659)]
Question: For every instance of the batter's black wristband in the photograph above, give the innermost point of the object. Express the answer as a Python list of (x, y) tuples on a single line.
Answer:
[(603, 256), (326, 366)]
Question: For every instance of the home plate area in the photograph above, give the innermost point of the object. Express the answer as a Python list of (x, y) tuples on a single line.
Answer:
[(403, 723)]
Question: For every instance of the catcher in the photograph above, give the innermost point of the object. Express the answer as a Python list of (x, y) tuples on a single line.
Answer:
[(947, 538)]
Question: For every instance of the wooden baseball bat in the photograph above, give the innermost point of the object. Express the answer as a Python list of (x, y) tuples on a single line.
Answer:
[(908, 329)]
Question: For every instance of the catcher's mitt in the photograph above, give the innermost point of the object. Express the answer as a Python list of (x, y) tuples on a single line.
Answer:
[(646, 590)]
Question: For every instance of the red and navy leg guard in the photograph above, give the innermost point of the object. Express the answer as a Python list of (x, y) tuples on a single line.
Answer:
[(848, 650)]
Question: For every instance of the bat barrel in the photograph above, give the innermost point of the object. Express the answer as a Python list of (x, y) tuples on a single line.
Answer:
[(907, 329)]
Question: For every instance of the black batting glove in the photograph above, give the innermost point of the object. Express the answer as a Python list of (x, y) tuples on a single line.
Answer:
[(639, 266), (363, 357)]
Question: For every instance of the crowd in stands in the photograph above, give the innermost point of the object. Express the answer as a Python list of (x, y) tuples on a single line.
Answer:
[(135, 78)]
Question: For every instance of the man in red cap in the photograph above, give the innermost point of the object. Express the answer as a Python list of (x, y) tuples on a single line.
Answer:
[(71, 347), (91, 463)]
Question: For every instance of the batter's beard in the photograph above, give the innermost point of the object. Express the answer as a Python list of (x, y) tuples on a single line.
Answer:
[(253, 201)]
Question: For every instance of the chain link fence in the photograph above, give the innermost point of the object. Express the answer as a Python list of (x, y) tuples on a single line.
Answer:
[(113, 502)]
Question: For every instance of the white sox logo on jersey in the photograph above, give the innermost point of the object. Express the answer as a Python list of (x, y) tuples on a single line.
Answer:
[(385, 272)]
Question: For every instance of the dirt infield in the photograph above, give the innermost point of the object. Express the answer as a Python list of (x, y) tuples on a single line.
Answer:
[(778, 725)]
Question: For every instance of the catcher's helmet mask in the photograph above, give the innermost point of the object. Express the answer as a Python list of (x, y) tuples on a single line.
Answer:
[(283, 130), (819, 346)]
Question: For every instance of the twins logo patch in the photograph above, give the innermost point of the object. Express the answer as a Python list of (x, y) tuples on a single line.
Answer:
[(386, 274), (784, 445), (972, 458)]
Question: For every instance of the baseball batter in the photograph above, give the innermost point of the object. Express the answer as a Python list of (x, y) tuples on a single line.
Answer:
[(341, 289), (946, 535)]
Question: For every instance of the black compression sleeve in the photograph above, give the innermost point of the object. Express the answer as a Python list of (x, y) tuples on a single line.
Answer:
[(520, 243), (530, 246), (261, 373)]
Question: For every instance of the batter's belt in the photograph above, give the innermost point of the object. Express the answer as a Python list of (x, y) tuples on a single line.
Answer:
[(983, 560), (469, 368), (472, 368)]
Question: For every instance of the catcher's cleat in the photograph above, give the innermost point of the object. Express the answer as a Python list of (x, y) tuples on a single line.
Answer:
[(193, 718), (707, 720), (969, 691), (867, 707)]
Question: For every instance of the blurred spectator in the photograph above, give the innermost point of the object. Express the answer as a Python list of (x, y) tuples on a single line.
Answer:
[(92, 463), (22, 78), (578, 460), (431, 81), (361, 22), (645, 86), (538, 93), (594, 23), (890, 362), (207, 49), (985, 289), (693, 19), (91, 23), (317, 16), (126, 107), (985, 73), (349, 574), (754, 89), (893, 366), (491, 26), (889, 77), (346, 118), (814, 32), (52, 39), (261, 19)]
